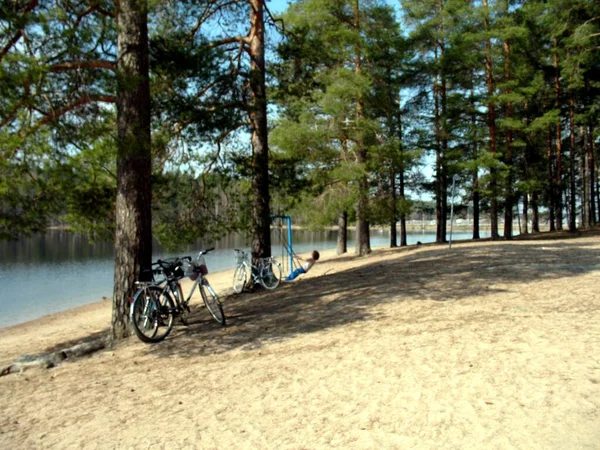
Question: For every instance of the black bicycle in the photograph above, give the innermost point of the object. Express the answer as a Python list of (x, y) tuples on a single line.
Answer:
[(160, 298)]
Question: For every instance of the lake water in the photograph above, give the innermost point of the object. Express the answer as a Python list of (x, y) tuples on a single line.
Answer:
[(58, 270)]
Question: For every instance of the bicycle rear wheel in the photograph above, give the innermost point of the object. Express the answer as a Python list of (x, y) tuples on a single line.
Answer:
[(212, 302), (270, 274), (239, 279), (152, 313)]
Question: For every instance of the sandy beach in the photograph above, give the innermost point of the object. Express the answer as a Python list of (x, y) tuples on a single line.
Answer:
[(484, 346)]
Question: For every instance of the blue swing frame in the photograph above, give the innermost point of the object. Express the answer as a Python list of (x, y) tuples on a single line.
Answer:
[(288, 248)]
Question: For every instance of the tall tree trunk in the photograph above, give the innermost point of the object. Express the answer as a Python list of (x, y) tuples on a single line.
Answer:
[(585, 185), (492, 126), (558, 184), (394, 212), (401, 166), (393, 121), (572, 205), (535, 214), (527, 157), (592, 175), (363, 240), (133, 235), (440, 188), (257, 111), (551, 189), (342, 238), (586, 133), (438, 163), (475, 156), (596, 180), (442, 130), (591, 160), (509, 196), (525, 214), (565, 201), (403, 241), (444, 117)]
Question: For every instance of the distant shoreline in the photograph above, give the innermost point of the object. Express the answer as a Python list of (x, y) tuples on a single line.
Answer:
[(411, 227)]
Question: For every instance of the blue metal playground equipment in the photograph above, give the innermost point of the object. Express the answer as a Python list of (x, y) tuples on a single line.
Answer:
[(286, 244)]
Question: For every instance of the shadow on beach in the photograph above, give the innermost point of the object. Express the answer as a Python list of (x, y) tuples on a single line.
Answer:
[(337, 299), (340, 297)]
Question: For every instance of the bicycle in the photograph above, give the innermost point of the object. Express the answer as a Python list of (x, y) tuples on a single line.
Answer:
[(267, 272), (197, 271), (152, 306), (151, 310)]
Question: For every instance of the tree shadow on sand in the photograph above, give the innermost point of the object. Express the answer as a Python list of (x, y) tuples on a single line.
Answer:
[(337, 299)]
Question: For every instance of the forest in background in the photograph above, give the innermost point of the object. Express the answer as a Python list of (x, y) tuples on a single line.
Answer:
[(193, 118)]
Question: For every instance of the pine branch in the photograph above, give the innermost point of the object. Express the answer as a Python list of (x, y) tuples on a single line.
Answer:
[(30, 7), (274, 19), (91, 64), (208, 13), (230, 40), (90, 9), (10, 44), (84, 100)]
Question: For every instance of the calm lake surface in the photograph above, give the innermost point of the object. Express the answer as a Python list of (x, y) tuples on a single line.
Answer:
[(59, 270)]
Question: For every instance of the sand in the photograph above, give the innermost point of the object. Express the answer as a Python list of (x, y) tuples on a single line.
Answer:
[(485, 346)]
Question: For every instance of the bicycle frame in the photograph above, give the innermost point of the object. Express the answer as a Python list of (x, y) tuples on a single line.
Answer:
[(199, 280)]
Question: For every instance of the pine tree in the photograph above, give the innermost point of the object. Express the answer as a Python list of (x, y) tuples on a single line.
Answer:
[(327, 79), (133, 238)]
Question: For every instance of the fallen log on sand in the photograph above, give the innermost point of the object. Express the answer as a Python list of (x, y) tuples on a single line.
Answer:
[(52, 359)]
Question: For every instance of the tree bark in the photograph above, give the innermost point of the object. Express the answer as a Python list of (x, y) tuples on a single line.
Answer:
[(257, 112), (133, 236), (551, 185), (441, 130), (509, 191), (342, 238), (403, 242), (596, 179), (401, 165), (572, 205), (535, 214), (585, 186), (492, 127), (525, 214), (394, 212), (558, 184), (440, 189), (363, 240), (444, 123), (475, 156), (592, 175)]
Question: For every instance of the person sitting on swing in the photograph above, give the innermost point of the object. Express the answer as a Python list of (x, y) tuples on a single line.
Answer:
[(305, 266)]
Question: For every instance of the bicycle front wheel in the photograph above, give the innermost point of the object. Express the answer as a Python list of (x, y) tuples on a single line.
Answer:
[(239, 279), (152, 313), (270, 275), (212, 302)]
